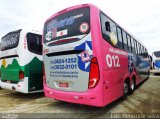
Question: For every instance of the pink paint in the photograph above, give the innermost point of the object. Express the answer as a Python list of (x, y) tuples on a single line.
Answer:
[(110, 85)]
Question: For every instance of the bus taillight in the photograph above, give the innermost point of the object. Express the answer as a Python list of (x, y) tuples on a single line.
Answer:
[(94, 73), (44, 74), (21, 74)]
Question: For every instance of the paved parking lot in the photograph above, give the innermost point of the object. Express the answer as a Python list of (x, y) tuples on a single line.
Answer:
[(146, 99)]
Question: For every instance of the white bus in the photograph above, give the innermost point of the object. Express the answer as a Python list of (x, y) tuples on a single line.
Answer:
[(156, 60), (21, 61)]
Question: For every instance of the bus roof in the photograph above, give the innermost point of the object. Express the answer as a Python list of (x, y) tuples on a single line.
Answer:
[(69, 9)]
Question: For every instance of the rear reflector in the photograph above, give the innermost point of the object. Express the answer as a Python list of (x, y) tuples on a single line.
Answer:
[(77, 97), (94, 73), (21, 74)]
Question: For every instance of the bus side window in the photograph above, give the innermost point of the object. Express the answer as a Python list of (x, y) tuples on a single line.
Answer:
[(109, 30), (132, 45), (139, 48), (125, 40), (135, 45), (143, 52), (129, 42), (146, 55), (120, 41)]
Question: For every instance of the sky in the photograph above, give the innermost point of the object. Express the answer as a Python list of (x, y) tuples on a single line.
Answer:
[(141, 18)]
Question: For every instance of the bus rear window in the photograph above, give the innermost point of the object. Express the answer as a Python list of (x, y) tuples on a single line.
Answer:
[(67, 27), (34, 43), (157, 54), (10, 40)]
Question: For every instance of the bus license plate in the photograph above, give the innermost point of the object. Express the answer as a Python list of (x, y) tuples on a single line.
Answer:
[(63, 85)]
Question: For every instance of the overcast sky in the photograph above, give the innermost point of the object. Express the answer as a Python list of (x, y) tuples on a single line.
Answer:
[(140, 17)]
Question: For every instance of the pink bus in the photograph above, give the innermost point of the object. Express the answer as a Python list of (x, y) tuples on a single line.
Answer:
[(89, 59)]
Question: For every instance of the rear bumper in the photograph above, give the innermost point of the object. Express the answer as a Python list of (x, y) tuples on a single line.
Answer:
[(19, 87), (92, 98)]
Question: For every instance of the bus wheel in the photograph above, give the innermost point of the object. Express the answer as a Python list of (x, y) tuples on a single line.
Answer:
[(132, 86), (125, 90)]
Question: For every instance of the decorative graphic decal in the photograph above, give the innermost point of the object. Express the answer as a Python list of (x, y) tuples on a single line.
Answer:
[(62, 33), (72, 65), (157, 63), (48, 36), (55, 34), (85, 57), (61, 23), (10, 40), (11, 71), (84, 27), (130, 63), (4, 63)]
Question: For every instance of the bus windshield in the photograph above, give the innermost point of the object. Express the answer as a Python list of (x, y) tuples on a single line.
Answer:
[(65, 27), (157, 54), (10, 40)]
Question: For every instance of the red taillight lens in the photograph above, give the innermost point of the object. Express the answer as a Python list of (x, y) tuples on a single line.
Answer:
[(44, 74), (21, 74), (94, 73)]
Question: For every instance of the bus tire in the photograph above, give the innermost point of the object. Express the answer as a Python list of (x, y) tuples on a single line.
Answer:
[(125, 89), (132, 86)]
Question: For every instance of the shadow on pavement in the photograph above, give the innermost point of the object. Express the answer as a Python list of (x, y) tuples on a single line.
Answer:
[(18, 95)]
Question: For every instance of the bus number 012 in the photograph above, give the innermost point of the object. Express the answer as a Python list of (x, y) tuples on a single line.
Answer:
[(112, 61)]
